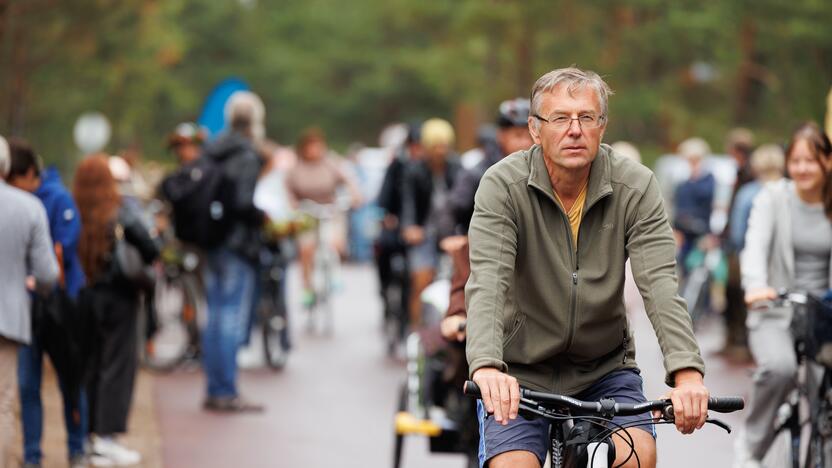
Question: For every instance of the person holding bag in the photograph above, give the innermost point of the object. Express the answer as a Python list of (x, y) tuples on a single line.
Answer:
[(111, 301)]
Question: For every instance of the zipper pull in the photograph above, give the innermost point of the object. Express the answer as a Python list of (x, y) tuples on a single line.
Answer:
[(574, 277)]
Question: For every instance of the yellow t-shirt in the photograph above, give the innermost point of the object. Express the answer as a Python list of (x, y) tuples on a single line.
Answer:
[(575, 213)]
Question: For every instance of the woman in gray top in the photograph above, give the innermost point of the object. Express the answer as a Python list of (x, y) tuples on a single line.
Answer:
[(788, 246)]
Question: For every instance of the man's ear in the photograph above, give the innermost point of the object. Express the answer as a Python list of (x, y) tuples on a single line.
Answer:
[(534, 130)]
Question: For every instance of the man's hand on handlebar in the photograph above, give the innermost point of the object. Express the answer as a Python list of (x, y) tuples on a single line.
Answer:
[(690, 400), (500, 393)]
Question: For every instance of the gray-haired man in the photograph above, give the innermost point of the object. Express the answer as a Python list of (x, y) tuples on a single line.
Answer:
[(26, 261), (552, 229)]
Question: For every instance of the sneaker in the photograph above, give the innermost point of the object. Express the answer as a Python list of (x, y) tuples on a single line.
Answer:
[(232, 405), (106, 448)]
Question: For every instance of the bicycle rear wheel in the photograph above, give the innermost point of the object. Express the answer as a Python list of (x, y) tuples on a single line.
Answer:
[(177, 306), (275, 324)]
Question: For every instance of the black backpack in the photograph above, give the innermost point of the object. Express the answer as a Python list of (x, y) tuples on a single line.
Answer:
[(202, 197)]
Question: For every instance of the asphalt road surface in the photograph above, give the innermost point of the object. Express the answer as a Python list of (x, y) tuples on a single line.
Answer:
[(334, 403)]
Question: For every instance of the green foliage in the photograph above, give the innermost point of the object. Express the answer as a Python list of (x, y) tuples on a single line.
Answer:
[(352, 67)]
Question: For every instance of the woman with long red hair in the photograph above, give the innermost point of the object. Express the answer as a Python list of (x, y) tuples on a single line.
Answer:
[(112, 301)]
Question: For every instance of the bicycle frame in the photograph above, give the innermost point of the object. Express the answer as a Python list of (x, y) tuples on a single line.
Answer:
[(566, 442), (806, 390)]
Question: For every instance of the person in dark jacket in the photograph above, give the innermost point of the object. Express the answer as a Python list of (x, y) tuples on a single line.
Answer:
[(390, 242), (111, 300), (230, 272), (426, 218), (65, 229)]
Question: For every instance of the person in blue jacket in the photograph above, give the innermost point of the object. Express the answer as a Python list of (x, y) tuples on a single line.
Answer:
[(65, 228)]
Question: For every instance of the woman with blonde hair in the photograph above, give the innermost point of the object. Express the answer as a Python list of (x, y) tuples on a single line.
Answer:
[(111, 301)]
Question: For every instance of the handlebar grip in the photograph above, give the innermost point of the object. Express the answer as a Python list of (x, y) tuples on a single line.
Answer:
[(470, 388), (726, 404)]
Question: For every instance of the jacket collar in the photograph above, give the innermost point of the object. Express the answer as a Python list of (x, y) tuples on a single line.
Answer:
[(599, 185)]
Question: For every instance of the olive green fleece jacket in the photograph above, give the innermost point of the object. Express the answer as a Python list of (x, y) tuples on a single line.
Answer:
[(556, 320)]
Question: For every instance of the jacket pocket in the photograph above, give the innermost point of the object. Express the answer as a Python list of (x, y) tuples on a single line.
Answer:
[(517, 324)]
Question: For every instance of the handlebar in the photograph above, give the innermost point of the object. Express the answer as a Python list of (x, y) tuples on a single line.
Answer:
[(608, 407)]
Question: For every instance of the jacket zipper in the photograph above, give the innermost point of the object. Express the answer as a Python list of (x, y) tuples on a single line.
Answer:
[(625, 345), (573, 296)]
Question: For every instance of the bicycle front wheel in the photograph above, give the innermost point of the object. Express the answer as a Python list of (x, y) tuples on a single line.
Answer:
[(175, 306)]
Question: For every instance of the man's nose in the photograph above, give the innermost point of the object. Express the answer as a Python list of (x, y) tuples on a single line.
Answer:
[(574, 130)]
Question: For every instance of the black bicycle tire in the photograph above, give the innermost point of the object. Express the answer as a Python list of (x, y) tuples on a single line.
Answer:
[(272, 337)]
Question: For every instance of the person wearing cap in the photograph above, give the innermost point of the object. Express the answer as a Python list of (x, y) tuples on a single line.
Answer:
[(186, 142), (426, 218), (694, 198)]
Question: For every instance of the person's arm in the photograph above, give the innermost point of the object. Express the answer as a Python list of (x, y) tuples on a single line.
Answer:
[(461, 199), (651, 248), (492, 248), (137, 234), (386, 198), (412, 232), (40, 256), (452, 325), (248, 172), (66, 230), (754, 256)]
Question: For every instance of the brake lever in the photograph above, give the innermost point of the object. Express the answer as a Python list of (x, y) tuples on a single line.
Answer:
[(667, 415), (718, 423)]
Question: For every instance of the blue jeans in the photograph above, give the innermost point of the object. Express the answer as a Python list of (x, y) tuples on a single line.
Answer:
[(229, 286), (30, 371)]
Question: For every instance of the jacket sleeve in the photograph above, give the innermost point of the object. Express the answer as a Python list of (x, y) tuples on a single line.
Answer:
[(41, 261), (493, 248), (409, 197), (651, 248), (462, 199), (462, 270), (66, 227), (758, 236), (137, 234), (248, 171), (386, 195)]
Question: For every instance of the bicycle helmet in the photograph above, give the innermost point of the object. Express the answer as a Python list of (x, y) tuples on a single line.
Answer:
[(513, 113), (187, 132)]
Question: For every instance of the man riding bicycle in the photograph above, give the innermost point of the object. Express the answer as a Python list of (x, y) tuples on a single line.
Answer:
[(551, 231)]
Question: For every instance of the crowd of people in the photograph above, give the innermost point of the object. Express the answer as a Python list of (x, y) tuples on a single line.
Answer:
[(539, 212)]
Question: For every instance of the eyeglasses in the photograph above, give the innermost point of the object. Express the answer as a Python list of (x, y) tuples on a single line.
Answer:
[(562, 122)]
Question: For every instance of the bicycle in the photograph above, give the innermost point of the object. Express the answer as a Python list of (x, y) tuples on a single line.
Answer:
[(395, 295), (811, 327), (325, 266), (272, 312), (703, 269), (179, 307), (581, 431)]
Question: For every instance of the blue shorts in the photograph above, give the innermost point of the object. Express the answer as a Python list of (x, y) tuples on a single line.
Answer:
[(533, 435)]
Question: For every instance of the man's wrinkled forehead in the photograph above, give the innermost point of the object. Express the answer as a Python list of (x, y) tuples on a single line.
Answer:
[(560, 99)]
